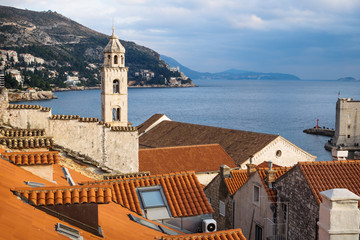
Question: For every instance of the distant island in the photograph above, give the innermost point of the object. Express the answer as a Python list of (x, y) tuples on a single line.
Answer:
[(348, 79), (231, 74)]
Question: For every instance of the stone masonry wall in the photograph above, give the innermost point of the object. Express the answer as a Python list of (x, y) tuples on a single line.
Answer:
[(303, 209), (117, 150), (217, 191)]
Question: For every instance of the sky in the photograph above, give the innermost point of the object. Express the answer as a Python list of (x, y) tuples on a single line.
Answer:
[(313, 39)]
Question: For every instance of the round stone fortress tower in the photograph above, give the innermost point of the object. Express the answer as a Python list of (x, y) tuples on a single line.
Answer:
[(114, 99)]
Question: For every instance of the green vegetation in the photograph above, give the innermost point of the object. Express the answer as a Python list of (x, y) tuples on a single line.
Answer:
[(10, 82)]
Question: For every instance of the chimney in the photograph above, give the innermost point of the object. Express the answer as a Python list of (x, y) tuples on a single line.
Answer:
[(251, 168), (224, 171), (339, 215), (339, 154), (270, 174)]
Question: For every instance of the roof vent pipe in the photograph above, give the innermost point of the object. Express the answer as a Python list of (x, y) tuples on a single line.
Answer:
[(270, 165)]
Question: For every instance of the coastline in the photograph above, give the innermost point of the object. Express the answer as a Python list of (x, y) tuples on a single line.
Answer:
[(31, 96), (47, 95), (137, 86)]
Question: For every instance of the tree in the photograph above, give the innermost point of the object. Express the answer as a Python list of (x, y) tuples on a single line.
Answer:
[(11, 82)]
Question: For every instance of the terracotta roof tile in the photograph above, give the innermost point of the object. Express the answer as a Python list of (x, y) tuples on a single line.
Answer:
[(239, 177), (198, 158), (322, 176), (183, 192), (238, 144), (232, 234), (32, 158), (59, 177), (22, 221), (65, 195)]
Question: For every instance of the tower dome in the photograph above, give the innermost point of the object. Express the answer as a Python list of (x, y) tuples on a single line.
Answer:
[(114, 45)]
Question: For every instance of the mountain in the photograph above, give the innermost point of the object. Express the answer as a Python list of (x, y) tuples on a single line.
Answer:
[(231, 74), (66, 43), (187, 71)]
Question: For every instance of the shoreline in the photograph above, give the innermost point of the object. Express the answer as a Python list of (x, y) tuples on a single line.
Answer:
[(48, 95), (145, 86)]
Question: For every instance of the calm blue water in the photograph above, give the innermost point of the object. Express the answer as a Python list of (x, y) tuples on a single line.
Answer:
[(276, 107)]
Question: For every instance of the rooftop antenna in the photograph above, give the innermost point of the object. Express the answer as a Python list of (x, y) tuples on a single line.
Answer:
[(113, 27)]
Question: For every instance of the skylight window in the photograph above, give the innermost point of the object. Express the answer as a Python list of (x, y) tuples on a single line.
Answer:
[(152, 198), (153, 202)]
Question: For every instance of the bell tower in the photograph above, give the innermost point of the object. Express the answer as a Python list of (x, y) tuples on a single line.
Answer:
[(114, 98)]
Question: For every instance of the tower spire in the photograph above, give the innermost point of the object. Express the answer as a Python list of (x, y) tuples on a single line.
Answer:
[(113, 28)]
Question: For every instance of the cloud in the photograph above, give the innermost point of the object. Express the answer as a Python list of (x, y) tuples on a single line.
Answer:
[(212, 35)]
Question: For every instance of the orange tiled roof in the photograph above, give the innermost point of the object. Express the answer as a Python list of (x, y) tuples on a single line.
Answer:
[(22, 221), (198, 158), (239, 177), (279, 172), (322, 176), (65, 195), (32, 158), (238, 144), (183, 193), (232, 234), (265, 164), (60, 179)]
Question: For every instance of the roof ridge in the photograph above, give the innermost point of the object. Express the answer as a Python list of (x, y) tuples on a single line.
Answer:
[(58, 187), (329, 162), (141, 177), (184, 146), (275, 135)]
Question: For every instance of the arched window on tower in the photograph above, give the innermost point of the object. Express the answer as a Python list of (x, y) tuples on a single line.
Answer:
[(122, 59), (116, 114), (116, 86), (115, 59), (108, 59)]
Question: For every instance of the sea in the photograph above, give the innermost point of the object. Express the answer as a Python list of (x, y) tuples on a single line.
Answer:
[(267, 106)]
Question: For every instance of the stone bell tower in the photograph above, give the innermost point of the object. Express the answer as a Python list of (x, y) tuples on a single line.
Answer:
[(114, 98)]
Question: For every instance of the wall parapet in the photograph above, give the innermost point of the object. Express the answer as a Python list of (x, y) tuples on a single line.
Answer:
[(24, 106), (124, 129), (64, 117), (31, 142), (86, 119), (22, 132)]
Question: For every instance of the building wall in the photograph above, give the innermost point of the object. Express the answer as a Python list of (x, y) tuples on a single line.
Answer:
[(290, 154), (347, 125), (247, 214), (117, 150), (217, 191), (303, 209)]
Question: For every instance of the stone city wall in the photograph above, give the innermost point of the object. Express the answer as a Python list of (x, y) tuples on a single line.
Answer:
[(106, 147)]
